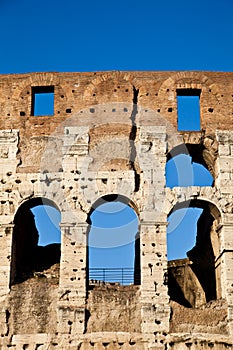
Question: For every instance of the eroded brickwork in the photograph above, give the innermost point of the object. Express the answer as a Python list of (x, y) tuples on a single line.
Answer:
[(112, 134)]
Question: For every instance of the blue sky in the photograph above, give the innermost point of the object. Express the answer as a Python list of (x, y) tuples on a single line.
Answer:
[(73, 35), (115, 35)]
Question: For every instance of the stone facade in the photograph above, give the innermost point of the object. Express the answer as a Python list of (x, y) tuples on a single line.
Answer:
[(111, 134)]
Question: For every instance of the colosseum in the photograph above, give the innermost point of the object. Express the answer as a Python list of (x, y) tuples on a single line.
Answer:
[(108, 136)]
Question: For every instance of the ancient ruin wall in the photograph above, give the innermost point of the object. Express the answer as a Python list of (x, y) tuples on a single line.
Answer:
[(111, 133)]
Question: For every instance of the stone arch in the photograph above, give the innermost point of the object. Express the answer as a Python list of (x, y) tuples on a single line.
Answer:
[(118, 87), (36, 79), (201, 84), (199, 202), (199, 154), (128, 277), (209, 147), (111, 197), (174, 200), (21, 201), (24, 94), (193, 80), (27, 256), (201, 273), (116, 75)]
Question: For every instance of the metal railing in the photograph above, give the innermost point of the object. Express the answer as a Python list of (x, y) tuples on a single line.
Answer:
[(123, 276)]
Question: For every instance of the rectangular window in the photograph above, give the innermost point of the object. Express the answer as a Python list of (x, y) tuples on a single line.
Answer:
[(188, 107), (42, 100)]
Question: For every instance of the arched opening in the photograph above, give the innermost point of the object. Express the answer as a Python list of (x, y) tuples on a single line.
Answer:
[(193, 250), (36, 238), (181, 232), (186, 166), (113, 242)]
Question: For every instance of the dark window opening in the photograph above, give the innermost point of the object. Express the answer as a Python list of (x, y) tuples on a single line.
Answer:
[(193, 247), (113, 242), (36, 239), (42, 101), (188, 108)]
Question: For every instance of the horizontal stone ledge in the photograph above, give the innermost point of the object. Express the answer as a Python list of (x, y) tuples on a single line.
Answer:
[(29, 338)]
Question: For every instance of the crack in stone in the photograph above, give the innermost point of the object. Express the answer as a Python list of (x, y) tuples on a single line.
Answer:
[(132, 138)]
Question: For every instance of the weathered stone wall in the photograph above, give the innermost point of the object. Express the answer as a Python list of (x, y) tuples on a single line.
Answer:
[(32, 304), (75, 92), (111, 134), (114, 308)]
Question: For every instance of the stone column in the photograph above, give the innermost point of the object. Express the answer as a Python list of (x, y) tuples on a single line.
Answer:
[(72, 294), (224, 183), (6, 231), (5, 266), (224, 163), (155, 309), (226, 261)]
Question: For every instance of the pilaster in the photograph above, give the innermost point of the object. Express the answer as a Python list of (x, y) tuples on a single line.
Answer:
[(72, 291), (155, 311)]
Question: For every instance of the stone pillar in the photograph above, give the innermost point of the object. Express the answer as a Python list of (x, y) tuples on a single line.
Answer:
[(224, 164), (8, 151), (72, 295), (224, 183), (8, 164), (218, 261), (155, 309), (6, 231), (226, 261), (5, 266), (72, 286)]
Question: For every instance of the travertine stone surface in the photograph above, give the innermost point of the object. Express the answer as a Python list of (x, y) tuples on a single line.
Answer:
[(112, 134)]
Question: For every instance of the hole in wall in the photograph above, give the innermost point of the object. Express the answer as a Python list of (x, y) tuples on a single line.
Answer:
[(188, 107), (42, 101)]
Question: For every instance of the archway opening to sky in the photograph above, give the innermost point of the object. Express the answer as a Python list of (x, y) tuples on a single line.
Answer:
[(36, 238), (181, 232), (187, 167), (113, 242), (182, 171), (192, 248)]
